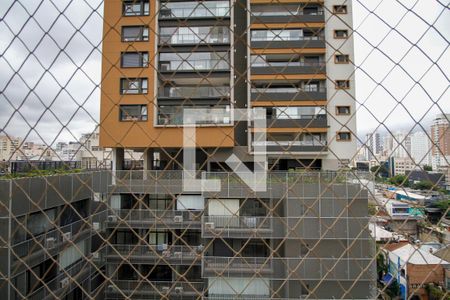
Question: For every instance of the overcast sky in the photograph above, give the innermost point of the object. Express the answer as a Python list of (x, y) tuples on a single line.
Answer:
[(53, 61)]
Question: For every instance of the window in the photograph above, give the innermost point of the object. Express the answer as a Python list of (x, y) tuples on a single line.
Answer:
[(134, 33), (339, 9), (194, 35), (341, 59), (342, 110), (341, 34), (135, 8), (134, 60), (158, 237), (342, 84), (343, 136), (133, 113), (133, 86)]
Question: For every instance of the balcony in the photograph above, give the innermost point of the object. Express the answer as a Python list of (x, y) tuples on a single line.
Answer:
[(194, 10), (213, 266), (293, 146), (144, 218), (302, 42), (231, 185), (173, 254), (237, 227), (301, 227), (303, 268), (174, 115), (287, 68), (201, 94), (286, 13), (306, 121), (54, 240), (156, 288), (288, 94)]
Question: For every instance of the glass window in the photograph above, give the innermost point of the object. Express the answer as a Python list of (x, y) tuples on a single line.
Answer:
[(341, 59), (133, 85), (340, 34), (134, 33), (344, 136), (158, 237), (41, 222), (134, 59), (194, 35), (285, 10), (342, 84), (185, 61), (135, 8), (340, 9), (133, 113), (342, 110), (304, 112)]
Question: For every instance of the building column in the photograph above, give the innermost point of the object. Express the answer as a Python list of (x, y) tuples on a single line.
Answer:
[(118, 158), (148, 161)]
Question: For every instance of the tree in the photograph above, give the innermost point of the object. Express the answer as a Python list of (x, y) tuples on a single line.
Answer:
[(399, 180), (424, 185), (427, 168), (379, 170)]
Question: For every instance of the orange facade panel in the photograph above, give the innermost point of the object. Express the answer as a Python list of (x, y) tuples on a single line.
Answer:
[(139, 134)]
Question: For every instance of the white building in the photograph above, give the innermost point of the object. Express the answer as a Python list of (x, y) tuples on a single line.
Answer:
[(9, 146), (401, 145), (440, 134), (373, 145), (421, 148)]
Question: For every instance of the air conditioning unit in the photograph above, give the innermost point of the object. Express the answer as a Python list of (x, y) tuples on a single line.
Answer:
[(97, 197), (177, 254), (95, 255), (50, 243), (166, 253), (95, 225), (178, 219), (209, 225), (161, 247), (67, 236), (64, 282), (112, 218), (111, 288), (165, 289), (178, 290)]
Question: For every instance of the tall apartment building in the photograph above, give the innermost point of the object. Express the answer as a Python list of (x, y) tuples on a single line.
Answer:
[(440, 134), (305, 236), (373, 145), (163, 56), (421, 148)]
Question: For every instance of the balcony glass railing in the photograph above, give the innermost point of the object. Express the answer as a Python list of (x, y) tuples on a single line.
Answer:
[(260, 64), (194, 35), (195, 65), (165, 216), (289, 143), (173, 115), (195, 92), (194, 9), (289, 90)]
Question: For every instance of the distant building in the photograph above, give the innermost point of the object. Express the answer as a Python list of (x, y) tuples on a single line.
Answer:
[(9, 146), (373, 145), (400, 166), (92, 155), (440, 134), (401, 145), (421, 148)]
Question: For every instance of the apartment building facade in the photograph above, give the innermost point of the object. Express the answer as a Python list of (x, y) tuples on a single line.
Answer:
[(293, 59), (306, 235), (440, 135)]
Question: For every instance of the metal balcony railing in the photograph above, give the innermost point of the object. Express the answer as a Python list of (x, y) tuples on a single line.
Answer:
[(303, 268), (305, 226), (175, 253), (157, 287), (160, 217)]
